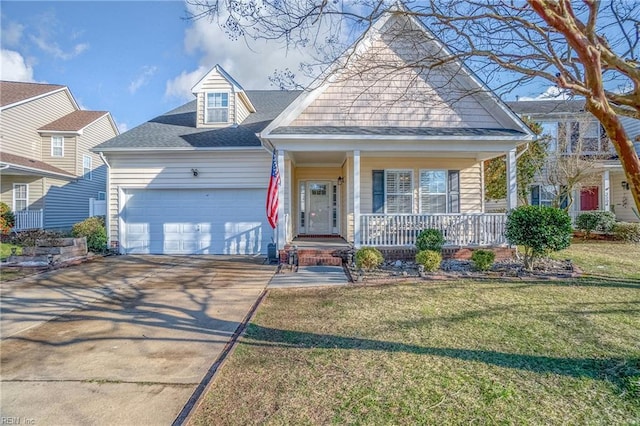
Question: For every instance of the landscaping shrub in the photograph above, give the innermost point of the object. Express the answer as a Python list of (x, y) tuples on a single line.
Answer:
[(595, 221), (483, 259), (368, 258), (628, 232), (539, 229), (93, 228), (7, 219), (430, 239), (430, 259)]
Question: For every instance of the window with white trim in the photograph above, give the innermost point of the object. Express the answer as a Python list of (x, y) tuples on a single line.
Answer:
[(550, 130), (20, 197), (433, 191), (87, 167), (57, 146), (102, 196), (217, 107), (399, 191), (542, 195)]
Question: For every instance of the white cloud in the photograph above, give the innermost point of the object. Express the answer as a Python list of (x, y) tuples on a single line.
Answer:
[(52, 48), (11, 34), (180, 87), (552, 92), (250, 65), (13, 67), (122, 127), (142, 79)]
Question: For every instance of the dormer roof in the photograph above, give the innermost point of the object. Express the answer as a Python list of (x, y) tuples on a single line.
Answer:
[(237, 88)]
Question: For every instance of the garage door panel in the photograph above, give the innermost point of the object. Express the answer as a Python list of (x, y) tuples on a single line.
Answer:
[(194, 221)]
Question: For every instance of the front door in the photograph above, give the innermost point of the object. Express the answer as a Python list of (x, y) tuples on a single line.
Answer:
[(319, 209), (589, 198)]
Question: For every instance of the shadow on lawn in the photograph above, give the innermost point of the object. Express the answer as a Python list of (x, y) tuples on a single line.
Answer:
[(615, 370)]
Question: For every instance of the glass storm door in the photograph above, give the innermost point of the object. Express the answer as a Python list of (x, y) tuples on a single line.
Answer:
[(320, 209)]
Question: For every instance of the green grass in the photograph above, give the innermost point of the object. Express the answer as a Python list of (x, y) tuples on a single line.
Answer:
[(5, 250), (603, 258), (481, 352)]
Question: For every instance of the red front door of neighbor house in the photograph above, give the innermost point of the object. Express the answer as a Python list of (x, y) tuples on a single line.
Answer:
[(589, 198)]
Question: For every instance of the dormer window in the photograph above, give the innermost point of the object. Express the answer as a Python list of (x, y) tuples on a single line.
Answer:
[(57, 146), (217, 107)]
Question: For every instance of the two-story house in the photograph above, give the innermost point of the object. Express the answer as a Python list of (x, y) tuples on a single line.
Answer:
[(579, 149), (49, 176)]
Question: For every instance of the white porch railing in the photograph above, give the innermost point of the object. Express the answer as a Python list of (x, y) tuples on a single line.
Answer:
[(473, 229), (28, 219)]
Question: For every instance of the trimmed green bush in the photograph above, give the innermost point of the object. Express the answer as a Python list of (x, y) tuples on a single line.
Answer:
[(93, 228), (7, 219), (430, 239), (430, 259), (368, 258), (628, 232), (595, 221), (539, 229), (483, 259)]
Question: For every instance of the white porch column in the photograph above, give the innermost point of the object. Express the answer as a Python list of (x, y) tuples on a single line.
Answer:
[(282, 220), (356, 197), (606, 191), (512, 185)]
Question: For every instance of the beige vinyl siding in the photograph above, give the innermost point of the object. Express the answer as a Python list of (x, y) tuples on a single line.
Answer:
[(20, 123), (66, 162), (36, 201), (621, 199), (216, 169), (470, 182), (68, 202), (215, 83), (243, 111), (370, 94)]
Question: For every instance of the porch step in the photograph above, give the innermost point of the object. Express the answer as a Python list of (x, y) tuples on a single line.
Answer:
[(319, 261)]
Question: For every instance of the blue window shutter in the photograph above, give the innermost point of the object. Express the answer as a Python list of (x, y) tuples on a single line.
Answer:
[(378, 191), (535, 195), (454, 191)]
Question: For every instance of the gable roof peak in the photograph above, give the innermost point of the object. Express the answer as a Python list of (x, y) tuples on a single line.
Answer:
[(219, 70)]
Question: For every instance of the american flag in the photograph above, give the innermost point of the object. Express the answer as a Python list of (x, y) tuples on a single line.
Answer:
[(272, 192)]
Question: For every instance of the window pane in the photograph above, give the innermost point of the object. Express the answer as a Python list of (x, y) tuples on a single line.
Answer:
[(399, 194), (551, 131), (433, 191), (216, 115)]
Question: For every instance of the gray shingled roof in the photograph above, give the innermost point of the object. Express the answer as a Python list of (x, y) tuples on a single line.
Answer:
[(556, 106), (177, 128), (392, 131)]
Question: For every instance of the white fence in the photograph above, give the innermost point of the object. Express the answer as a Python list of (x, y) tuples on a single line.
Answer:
[(97, 207), (28, 219), (474, 229)]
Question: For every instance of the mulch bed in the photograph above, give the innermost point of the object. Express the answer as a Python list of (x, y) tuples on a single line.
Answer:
[(452, 269)]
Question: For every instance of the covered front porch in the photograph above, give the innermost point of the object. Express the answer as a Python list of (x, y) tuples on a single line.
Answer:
[(378, 198)]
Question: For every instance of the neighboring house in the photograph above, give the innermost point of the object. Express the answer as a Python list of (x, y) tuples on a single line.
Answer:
[(49, 174), (568, 124), (368, 154)]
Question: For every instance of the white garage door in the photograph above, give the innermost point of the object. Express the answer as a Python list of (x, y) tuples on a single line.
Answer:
[(194, 221)]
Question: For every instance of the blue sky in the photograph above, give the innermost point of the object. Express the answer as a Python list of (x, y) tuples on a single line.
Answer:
[(135, 59)]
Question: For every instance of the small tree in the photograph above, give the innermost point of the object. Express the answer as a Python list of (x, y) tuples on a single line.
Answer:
[(7, 219), (369, 258), (539, 229)]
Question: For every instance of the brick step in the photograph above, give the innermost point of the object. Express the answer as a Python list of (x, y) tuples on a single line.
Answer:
[(319, 260)]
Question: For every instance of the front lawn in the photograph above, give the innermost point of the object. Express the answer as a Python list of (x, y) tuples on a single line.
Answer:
[(463, 352), (604, 258), (5, 250)]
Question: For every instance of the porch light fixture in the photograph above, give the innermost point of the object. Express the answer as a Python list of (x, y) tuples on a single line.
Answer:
[(195, 172), (625, 185), (340, 180)]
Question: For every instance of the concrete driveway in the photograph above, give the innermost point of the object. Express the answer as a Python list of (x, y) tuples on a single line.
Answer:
[(119, 340)]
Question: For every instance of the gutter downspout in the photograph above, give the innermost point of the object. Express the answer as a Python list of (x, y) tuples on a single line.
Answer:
[(107, 216)]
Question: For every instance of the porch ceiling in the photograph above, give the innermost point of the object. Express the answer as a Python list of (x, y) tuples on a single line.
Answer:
[(315, 157), (337, 158)]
